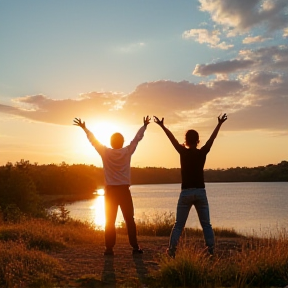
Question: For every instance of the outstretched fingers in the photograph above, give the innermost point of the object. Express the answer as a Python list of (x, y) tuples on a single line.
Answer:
[(222, 118), (157, 120), (146, 120), (78, 122)]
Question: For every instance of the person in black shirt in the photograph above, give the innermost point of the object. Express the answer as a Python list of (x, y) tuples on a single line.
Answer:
[(193, 190)]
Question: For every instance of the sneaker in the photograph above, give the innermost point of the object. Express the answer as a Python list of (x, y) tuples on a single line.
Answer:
[(109, 252), (170, 253), (137, 251)]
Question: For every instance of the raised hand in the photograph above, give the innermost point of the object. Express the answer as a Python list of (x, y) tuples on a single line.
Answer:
[(222, 118), (157, 121), (146, 120), (78, 122)]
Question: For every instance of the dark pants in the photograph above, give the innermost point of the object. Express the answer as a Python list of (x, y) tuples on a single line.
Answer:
[(119, 195)]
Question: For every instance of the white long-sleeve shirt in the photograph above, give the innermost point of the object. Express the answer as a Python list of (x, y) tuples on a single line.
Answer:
[(116, 162)]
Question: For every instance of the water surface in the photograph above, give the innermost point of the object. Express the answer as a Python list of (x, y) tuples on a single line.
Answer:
[(251, 207)]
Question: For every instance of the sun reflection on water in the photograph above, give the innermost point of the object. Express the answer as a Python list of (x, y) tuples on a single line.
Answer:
[(98, 210)]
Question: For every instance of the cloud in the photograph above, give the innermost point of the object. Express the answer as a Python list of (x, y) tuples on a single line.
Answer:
[(262, 79), (272, 58), (257, 100), (224, 46), (224, 67), (269, 114), (239, 16), (256, 39), (174, 98), (44, 109), (206, 36), (159, 98), (203, 36), (132, 47)]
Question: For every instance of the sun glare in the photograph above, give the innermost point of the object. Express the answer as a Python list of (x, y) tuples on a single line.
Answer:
[(100, 192), (103, 131), (98, 210)]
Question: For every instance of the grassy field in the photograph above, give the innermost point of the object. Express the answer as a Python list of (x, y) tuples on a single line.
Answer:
[(28, 249)]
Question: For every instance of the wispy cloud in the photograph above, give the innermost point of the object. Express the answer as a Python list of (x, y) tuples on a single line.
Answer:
[(132, 47), (255, 39), (205, 36)]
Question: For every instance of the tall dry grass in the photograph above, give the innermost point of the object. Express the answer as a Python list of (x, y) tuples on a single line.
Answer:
[(253, 262), (160, 224), (46, 235), (23, 246), (240, 262), (20, 266)]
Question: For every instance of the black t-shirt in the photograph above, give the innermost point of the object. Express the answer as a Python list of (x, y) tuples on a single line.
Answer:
[(192, 165)]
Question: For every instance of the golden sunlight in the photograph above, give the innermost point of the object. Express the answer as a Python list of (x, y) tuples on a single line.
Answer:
[(100, 192), (98, 210), (103, 131)]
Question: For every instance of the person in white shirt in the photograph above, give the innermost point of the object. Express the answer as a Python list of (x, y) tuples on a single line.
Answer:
[(116, 165)]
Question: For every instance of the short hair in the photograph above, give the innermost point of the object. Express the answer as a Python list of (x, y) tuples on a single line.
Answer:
[(191, 138), (117, 141)]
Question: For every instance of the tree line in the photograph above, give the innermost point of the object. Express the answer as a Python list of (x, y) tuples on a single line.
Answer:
[(268, 173), (24, 185)]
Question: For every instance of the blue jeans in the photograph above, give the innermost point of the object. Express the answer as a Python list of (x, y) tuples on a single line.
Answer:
[(188, 198)]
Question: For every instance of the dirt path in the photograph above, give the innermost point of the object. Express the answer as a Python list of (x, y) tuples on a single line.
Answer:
[(86, 266)]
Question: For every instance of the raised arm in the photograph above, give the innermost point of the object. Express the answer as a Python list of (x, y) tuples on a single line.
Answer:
[(139, 135), (221, 120), (169, 134), (95, 143)]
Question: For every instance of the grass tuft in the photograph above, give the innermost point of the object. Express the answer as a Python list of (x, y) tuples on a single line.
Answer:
[(43, 234), (20, 266), (254, 262)]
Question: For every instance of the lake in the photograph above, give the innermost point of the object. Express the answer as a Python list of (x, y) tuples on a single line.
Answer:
[(256, 208)]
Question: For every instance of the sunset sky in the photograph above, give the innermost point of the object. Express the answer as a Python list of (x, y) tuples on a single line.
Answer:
[(113, 62)]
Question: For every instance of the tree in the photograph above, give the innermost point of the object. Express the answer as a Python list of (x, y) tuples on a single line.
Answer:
[(17, 188)]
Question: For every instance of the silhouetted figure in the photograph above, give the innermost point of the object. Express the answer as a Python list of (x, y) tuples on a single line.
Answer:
[(193, 190), (116, 165)]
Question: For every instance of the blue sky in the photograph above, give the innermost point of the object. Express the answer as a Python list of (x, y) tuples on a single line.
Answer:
[(109, 45), (116, 61)]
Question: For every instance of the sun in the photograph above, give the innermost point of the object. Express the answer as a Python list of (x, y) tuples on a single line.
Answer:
[(103, 131)]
